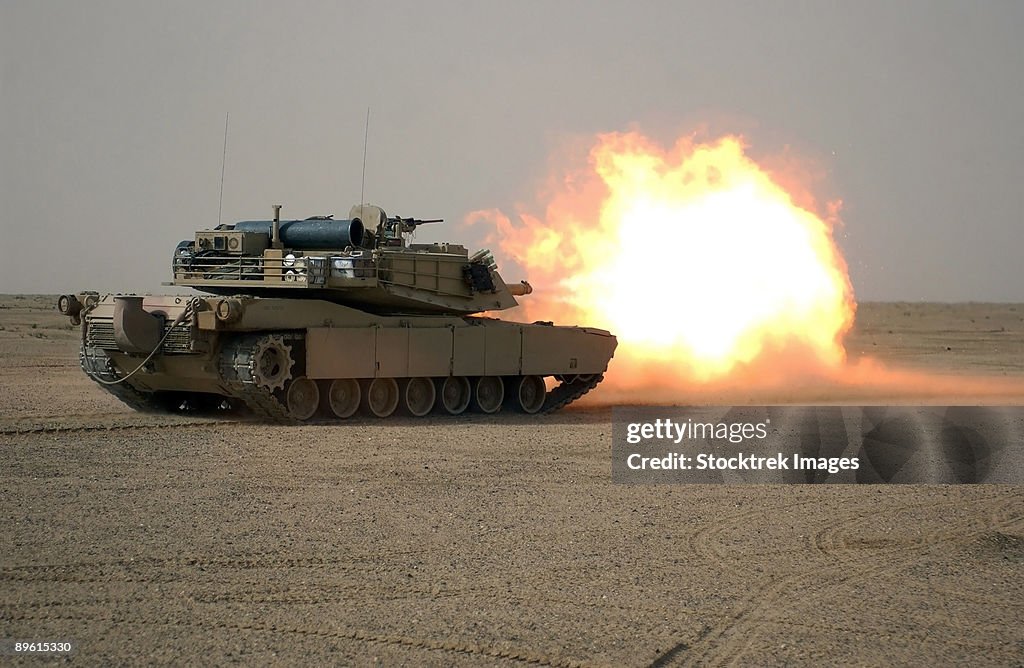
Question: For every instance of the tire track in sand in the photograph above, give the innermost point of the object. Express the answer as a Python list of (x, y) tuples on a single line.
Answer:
[(854, 560)]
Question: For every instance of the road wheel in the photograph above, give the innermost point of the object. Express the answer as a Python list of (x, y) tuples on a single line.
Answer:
[(488, 394), (418, 395), (528, 394), (302, 398), (455, 394), (344, 396), (381, 397)]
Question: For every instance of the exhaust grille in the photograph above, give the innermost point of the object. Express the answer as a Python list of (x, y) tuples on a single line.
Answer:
[(100, 334)]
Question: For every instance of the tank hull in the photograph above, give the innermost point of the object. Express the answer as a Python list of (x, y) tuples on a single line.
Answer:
[(286, 359)]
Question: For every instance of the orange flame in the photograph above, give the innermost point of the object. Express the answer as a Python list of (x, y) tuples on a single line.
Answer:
[(697, 259)]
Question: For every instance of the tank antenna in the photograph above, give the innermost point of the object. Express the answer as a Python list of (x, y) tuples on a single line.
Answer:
[(366, 136), (223, 162)]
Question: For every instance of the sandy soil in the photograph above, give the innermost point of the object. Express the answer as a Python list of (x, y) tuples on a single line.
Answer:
[(474, 540)]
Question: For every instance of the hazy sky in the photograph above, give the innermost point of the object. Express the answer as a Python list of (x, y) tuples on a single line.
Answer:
[(112, 119)]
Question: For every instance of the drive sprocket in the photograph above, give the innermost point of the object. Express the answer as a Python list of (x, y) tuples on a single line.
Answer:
[(272, 362)]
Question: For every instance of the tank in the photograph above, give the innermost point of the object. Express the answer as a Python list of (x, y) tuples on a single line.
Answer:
[(325, 319)]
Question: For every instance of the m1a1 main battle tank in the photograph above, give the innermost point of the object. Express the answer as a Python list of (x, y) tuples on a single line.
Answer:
[(332, 317)]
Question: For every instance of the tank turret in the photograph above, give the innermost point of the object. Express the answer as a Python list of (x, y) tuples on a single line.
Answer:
[(366, 260)]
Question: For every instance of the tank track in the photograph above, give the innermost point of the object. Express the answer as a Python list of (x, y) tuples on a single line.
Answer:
[(566, 393), (236, 367), (96, 364)]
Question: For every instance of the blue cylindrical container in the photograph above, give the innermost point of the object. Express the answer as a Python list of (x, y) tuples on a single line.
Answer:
[(310, 234)]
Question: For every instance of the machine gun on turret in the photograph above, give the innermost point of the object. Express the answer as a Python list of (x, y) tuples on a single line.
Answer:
[(395, 228)]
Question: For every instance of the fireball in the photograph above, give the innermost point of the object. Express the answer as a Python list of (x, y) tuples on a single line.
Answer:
[(695, 257)]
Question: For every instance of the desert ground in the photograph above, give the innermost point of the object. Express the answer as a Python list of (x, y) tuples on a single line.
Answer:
[(484, 540)]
